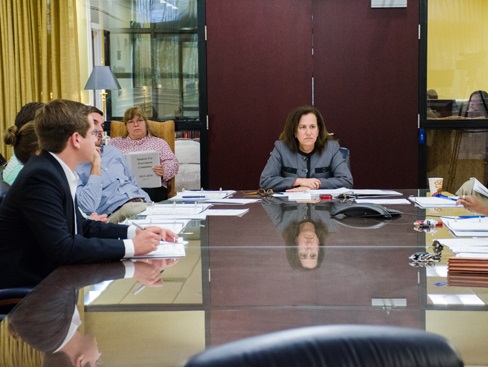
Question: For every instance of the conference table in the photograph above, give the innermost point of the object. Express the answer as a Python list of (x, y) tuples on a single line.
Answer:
[(240, 278)]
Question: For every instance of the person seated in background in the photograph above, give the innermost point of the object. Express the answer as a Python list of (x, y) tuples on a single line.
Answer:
[(432, 94), (477, 105), (305, 157), (139, 138), (106, 184), (41, 227), (26, 114)]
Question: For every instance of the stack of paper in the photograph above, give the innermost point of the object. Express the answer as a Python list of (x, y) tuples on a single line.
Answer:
[(166, 250), (467, 247), (175, 226), (479, 187), (434, 202), (202, 195), (467, 272), (467, 227), (354, 192)]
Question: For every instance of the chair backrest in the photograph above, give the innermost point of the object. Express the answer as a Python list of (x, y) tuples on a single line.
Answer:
[(3, 189), (164, 130), (346, 154), (334, 345)]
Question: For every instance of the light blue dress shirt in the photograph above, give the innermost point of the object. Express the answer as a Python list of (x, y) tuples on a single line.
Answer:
[(116, 185)]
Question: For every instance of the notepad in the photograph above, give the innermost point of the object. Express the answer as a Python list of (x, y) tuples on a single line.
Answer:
[(479, 226), (166, 250), (433, 202)]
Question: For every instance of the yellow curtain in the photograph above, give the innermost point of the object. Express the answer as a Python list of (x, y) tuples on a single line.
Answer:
[(38, 55), (16, 352)]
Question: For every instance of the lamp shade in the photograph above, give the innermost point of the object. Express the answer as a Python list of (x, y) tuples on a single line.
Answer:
[(102, 77)]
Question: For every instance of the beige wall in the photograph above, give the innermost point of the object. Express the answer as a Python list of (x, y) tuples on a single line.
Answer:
[(457, 47)]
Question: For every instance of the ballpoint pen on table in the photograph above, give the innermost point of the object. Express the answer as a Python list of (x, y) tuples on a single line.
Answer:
[(453, 198), (469, 217)]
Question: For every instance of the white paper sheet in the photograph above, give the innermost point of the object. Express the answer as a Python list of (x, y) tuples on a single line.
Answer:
[(384, 201), (433, 202), (166, 250)]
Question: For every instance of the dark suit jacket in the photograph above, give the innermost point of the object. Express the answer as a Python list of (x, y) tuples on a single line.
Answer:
[(37, 227)]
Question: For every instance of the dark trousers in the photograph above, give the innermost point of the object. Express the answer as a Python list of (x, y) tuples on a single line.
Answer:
[(157, 193)]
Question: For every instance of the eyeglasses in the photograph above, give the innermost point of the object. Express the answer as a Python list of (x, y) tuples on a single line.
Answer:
[(95, 133), (261, 193), (139, 121)]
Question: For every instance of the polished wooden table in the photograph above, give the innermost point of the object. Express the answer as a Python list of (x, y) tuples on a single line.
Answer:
[(237, 281)]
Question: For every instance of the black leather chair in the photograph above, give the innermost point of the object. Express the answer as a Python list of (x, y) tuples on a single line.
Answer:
[(334, 346), (3, 189), (10, 297)]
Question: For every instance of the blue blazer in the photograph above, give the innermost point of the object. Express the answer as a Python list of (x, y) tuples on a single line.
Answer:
[(37, 228)]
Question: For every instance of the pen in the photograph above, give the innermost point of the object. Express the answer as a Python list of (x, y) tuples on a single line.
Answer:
[(445, 197), (193, 197), (470, 216), (138, 226)]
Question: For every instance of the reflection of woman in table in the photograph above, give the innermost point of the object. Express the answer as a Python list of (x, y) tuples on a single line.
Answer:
[(305, 228), (48, 318)]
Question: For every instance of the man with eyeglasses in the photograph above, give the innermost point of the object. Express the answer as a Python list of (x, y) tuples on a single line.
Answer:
[(41, 227), (107, 185)]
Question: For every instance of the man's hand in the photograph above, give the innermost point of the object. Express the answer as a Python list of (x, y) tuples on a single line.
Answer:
[(147, 239), (100, 217), (96, 163)]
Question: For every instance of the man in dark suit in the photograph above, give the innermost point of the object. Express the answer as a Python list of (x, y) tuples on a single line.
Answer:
[(48, 319), (40, 224)]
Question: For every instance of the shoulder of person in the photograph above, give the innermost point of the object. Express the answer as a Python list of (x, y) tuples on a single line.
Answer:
[(280, 144), (332, 145), (112, 149)]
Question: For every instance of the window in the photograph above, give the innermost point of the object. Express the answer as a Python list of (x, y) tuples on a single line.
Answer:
[(152, 48)]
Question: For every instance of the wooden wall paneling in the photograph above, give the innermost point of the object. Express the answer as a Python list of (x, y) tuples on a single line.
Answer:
[(259, 67), (366, 86)]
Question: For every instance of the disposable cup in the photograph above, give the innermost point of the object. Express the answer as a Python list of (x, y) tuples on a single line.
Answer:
[(435, 185)]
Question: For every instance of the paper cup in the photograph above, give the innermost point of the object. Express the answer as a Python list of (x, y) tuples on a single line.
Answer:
[(435, 185)]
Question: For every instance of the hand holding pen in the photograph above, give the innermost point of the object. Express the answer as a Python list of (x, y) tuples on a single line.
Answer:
[(166, 234), (148, 239), (472, 203)]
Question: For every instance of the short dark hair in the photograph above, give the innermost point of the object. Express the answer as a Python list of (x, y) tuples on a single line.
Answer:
[(27, 113), (93, 109), (57, 121), (291, 125)]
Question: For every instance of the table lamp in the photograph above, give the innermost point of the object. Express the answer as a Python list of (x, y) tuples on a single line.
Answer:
[(102, 78)]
